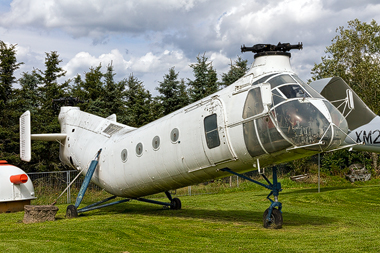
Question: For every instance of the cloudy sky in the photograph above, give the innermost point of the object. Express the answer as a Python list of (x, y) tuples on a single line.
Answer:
[(147, 37)]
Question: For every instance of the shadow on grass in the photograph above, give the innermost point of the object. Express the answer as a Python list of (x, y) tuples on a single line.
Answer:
[(326, 189), (240, 216), (314, 190)]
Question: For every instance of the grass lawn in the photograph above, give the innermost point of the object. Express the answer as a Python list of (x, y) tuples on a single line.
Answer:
[(341, 218)]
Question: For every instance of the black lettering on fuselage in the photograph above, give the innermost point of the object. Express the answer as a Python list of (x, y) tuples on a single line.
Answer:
[(358, 136), (367, 137), (377, 141)]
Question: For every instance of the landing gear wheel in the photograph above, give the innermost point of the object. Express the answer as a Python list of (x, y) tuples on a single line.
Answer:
[(276, 219), (71, 212), (175, 204)]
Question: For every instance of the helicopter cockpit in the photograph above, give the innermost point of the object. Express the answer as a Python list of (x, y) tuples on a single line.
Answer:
[(298, 117)]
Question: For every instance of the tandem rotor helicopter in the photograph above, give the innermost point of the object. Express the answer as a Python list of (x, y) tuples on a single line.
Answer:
[(267, 117)]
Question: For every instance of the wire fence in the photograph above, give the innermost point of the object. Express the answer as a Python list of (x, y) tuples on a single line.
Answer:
[(53, 183)]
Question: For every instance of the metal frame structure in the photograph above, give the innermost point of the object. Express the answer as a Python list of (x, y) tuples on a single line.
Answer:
[(275, 188)]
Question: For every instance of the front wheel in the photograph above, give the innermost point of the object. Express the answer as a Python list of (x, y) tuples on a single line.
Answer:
[(276, 219)]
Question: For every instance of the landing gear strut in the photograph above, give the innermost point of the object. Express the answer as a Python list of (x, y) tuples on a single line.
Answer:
[(72, 211), (175, 203), (272, 217)]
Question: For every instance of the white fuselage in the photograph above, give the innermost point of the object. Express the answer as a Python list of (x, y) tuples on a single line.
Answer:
[(189, 146)]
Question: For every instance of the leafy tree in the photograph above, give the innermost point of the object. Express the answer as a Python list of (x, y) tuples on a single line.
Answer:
[(173, 93), (205, 82), (337, 162), (138, 102), (237, 70), (354, 55)]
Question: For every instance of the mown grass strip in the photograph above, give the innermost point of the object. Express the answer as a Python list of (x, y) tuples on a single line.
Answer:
[(339, 219)]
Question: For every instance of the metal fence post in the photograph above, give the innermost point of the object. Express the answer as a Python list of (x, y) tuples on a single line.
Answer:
[(68, 190)]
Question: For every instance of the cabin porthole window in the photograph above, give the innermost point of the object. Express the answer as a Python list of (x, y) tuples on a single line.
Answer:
[(139, 149), (211, 131), (156, 143), (124, 155), (174, 135)]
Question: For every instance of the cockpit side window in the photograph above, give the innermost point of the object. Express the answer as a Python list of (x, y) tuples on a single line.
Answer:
[(281, 79), (277, 97), (253, 104), (293, 91), (307, 87), (263, 79)]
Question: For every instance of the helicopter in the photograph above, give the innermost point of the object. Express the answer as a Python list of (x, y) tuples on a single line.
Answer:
[(267, 117)]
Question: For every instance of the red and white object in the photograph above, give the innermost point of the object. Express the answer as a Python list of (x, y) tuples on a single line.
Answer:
[(16, 189)]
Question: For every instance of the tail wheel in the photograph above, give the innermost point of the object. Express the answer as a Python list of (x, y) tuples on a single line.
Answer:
[(71, 212), (175, 204), (276, 219)]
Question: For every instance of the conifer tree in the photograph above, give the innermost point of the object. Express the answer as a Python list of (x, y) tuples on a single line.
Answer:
[(92, 86), (138, 103), (50, 88), (205, 82), (9, 147), (47, 153), (173, 94), (114, 95), (236, 71), (8, 64)]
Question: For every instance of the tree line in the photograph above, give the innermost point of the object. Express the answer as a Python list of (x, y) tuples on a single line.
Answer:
[(101, 94), (353, 55)]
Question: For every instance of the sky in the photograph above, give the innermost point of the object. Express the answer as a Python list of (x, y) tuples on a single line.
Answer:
[(148, 37)]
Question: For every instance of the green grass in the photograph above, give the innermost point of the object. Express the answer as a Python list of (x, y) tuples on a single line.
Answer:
[(344, 217)]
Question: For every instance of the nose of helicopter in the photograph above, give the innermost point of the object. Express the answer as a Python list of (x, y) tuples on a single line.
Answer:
[(312, 124)]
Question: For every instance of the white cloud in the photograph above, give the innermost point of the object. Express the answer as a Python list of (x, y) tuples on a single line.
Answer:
[(159, 34), (97, 18), (139, 66)]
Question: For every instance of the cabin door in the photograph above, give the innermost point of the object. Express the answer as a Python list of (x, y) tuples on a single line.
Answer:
[(214, 138)]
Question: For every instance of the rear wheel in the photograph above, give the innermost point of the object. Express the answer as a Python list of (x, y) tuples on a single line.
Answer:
[(175, 204), (275, 219), (71, 212)]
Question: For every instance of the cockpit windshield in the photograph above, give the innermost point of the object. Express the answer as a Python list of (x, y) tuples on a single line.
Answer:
[(293, 120)]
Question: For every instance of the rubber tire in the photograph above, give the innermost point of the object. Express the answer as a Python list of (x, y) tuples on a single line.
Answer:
[(175, 204), (71, 212), (276, 217)]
